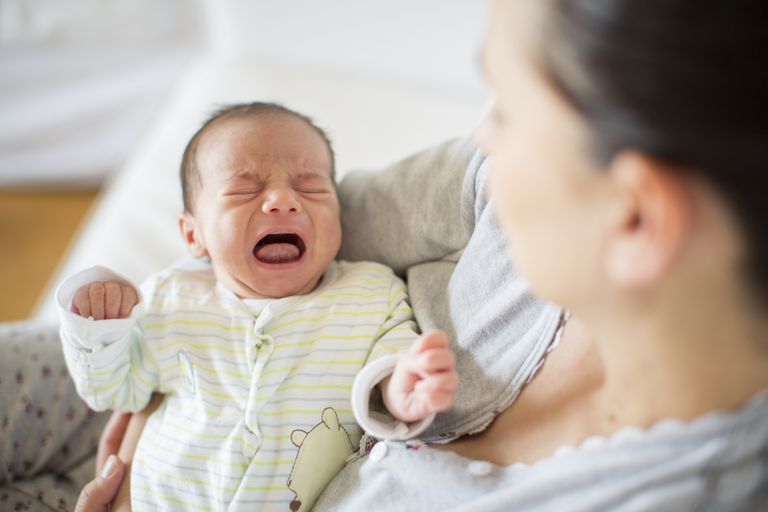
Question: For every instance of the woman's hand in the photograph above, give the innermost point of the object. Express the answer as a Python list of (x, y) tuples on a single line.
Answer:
[(111, 438), (110, 470), (98, 494), (424, 380), (121, 435)]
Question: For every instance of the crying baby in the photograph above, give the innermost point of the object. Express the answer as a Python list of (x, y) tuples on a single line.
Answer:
[(259, 337)]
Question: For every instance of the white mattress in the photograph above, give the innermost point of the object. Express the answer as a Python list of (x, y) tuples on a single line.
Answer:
[(133, 227)]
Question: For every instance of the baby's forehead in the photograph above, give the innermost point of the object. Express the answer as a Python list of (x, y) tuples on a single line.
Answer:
[(255, 143), (243, 125), (249, 119)]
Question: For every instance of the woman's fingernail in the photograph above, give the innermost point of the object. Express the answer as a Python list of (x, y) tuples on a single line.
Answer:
[(109, 467)]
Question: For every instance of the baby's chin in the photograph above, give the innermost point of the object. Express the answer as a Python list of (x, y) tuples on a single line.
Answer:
[(277, 288)]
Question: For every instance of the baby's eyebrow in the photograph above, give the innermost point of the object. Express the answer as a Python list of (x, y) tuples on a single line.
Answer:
[(310, 175), (247, 174), (253, 174)]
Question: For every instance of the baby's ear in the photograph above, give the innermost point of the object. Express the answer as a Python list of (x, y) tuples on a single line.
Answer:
[(192, 235)]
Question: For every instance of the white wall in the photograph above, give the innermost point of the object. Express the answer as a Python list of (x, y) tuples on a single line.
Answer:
[(82, 80), (422, 42), (98, 23)]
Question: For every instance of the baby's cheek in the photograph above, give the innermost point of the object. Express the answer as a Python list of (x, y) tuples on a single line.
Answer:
[(329, 231)]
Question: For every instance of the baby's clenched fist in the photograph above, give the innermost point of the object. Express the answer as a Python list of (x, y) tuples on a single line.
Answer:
[(424, 380), (104, 300)]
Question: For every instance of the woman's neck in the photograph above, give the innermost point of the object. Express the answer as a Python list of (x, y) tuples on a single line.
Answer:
[(613, 374), (681, 360)]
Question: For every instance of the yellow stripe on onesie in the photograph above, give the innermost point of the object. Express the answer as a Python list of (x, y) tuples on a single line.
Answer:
[(257, 414)]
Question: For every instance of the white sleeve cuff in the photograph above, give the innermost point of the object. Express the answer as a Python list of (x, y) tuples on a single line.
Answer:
[(378, 424), (86, 333)]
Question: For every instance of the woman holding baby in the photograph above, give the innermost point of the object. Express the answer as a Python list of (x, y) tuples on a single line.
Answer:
[(626, 169)]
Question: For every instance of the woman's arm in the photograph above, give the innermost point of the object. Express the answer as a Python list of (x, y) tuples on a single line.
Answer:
[(127, 448), (409, 212)]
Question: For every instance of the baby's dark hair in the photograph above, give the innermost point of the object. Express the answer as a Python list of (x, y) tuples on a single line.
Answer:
[(189, 172)]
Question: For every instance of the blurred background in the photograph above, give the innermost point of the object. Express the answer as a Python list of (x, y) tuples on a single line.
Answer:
[(88, 86)]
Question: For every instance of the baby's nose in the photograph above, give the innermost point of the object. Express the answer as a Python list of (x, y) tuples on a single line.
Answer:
[(281, 200)]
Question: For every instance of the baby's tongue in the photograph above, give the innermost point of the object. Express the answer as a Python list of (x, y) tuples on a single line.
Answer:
[(277, 253)]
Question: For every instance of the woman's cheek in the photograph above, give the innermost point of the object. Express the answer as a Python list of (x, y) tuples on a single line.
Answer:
[(485, 136), (502, 191), (504, 173)]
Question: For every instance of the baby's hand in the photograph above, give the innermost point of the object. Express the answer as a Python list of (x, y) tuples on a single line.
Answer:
[(424, 380), (105, 300)]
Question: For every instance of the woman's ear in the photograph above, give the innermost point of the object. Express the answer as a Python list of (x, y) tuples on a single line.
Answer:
[(655, 214), (192, 235)]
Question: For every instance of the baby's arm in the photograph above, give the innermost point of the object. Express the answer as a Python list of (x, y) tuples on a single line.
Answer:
[(110, 365), (415, 375)]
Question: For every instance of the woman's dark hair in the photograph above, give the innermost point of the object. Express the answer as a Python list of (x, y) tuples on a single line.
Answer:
[(684, 81)]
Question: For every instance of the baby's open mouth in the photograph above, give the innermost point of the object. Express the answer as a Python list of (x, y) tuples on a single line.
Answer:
[(279, 248)]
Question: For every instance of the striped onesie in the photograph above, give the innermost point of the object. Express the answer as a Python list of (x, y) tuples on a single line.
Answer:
[(257, 414)]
